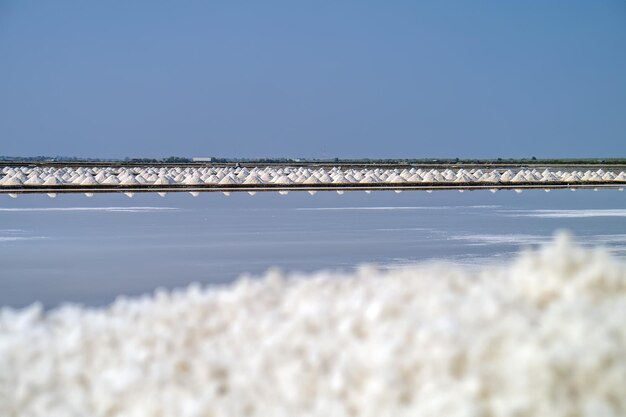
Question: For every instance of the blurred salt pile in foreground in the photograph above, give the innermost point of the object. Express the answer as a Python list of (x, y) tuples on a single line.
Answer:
[(544, 336)]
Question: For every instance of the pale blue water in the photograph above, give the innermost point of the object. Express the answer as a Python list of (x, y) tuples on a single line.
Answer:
[(90, 250)]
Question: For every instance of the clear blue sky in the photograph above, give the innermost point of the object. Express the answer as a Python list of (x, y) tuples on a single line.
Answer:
[(332, 78)]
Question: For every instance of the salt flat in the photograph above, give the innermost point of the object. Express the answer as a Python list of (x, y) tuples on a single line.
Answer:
[(173, 241)]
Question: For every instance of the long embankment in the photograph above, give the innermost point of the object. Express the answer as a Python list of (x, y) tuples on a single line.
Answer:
[(55, 178)]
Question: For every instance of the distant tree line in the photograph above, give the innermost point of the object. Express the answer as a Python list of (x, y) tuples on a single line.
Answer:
[(329, 161), (168, 160)]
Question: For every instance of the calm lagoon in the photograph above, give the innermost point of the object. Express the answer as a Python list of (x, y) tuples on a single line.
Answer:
[(90, 250)]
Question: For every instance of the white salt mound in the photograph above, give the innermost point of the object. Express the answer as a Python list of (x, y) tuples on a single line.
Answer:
[(543, 336)]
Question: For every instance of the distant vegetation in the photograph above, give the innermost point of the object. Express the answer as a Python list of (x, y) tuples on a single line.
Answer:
[(74, 159), (327, 161)]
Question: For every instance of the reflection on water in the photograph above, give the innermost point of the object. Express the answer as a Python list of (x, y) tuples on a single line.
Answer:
[(90, 250)]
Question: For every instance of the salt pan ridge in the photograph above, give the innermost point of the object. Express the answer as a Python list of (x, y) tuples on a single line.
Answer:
[(543, 336), (42, 177)]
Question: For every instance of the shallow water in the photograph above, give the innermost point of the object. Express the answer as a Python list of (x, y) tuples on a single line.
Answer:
[(90, 250)]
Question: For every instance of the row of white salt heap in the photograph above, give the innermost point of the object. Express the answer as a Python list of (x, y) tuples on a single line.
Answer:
[(50, 176)]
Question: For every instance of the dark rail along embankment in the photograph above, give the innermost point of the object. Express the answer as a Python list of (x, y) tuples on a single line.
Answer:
[(413, 186)]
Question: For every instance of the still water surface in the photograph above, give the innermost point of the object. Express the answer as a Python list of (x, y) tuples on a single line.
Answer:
[(90, 250)]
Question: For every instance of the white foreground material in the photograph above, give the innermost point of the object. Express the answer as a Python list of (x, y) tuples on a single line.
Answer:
[(544, 336)]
